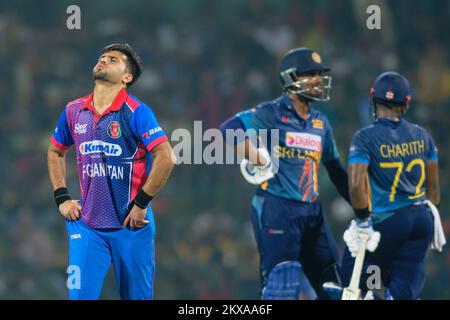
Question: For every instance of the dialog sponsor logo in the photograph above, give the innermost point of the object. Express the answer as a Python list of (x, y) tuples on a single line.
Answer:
[(304, 140)]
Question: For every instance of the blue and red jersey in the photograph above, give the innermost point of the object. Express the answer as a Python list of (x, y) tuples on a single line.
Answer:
[(303, 145), (112, 152), (396, 153)]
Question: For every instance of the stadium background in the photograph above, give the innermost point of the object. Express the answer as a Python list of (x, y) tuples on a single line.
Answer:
[(204, 60)]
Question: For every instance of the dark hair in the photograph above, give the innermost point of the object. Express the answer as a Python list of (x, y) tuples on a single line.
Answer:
[(134, 63)]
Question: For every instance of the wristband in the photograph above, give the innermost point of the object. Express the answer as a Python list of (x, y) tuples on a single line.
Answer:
[(61, 195), (362, 213), (142, 199)]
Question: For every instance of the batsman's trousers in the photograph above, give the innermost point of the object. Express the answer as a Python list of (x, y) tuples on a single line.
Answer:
[(288, 230), (400, 256)]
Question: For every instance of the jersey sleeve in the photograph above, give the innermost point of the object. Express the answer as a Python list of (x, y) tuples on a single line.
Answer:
[(233, 124), (256, 118), (62, 137), (358, 150), (330, 151), (431, 151), (145, 126)]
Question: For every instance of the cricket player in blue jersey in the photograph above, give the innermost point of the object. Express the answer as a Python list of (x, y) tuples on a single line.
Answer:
[(123, 158), (290, 226), (394, 189)]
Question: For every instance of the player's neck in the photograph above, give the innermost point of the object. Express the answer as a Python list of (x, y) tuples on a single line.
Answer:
[(104, 94), (388, 115), (301, 108)]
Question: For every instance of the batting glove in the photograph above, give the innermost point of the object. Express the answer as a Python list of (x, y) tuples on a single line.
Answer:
[(257, 174), (358, 226)]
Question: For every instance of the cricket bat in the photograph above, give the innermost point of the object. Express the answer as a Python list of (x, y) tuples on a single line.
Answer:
[(352, 292)]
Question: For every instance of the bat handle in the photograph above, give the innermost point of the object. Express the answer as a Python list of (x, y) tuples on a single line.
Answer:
[(359, 261)]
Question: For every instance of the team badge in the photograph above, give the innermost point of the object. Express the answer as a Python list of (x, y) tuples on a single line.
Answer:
[(114, 130), (389, 95), (316, 58), (318, 124)]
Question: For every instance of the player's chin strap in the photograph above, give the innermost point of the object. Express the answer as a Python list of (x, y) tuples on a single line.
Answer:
[(258, 174)]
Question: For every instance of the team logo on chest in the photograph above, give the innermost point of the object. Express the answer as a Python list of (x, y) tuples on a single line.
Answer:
[(304, 140), (114, 130), (317, 123)]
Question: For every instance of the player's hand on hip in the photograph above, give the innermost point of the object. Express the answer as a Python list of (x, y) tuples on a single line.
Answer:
[(136, 217), (357, 227), (70, 209)]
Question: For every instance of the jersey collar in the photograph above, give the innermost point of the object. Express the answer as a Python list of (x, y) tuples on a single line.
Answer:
[(117, 103), (287, 103), (389, 122)]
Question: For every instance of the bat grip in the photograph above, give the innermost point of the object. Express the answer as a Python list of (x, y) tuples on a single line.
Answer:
[(359, 261)]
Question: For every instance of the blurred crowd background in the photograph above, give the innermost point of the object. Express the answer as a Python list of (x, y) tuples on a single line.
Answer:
[(204, 60)]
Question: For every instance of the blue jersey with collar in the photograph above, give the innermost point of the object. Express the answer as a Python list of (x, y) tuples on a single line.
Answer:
[(397, 153), (303, 144), (113, 152)]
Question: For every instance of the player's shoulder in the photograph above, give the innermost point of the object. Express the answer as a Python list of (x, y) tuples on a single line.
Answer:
[(414, 126), (366, 131), (263, 108), (77, 103), (134, 104), (270, 105), (319, 115)]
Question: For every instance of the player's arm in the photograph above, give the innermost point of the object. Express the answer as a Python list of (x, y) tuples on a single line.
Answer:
[(432, 182), (162, 164), (336, 171), (145, 127), (244, 146), (56, 163), (432, 172), (359, 160), (163, 161), (338, 175), (357, 173), (256, 166)]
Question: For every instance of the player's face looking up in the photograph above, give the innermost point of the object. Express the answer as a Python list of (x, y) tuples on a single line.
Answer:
[(112, 68)]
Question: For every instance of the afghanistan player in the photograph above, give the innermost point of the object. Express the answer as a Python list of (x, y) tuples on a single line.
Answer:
[(393, 170), (123, 159), (290, 226)]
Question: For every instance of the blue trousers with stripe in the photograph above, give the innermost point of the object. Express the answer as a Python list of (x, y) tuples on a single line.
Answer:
[(400, 256), (91, 252), (287, 230)]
